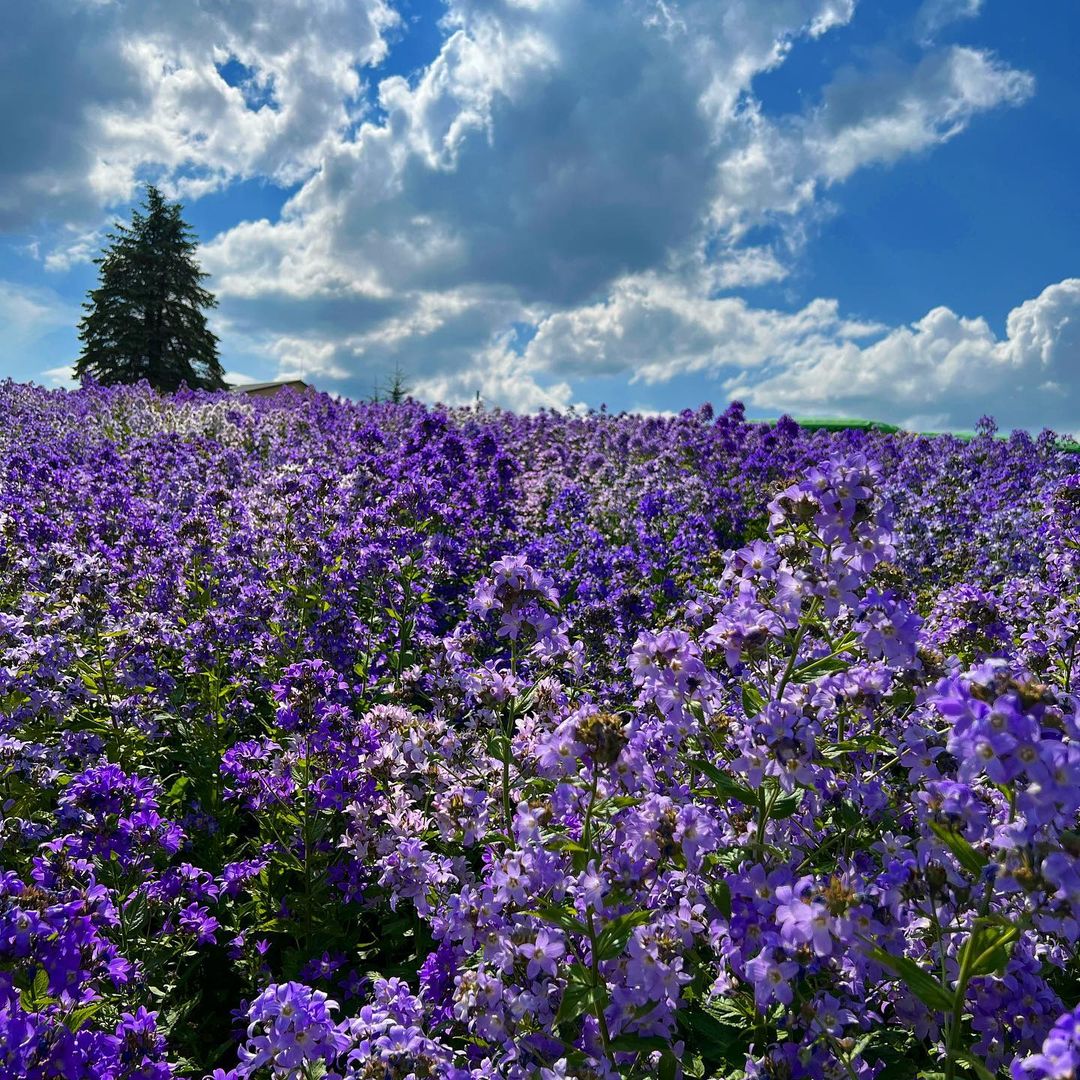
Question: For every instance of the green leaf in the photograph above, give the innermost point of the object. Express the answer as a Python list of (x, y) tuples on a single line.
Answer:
[(923, 985), (824, 665), (901, 1069), (787, 806), (725, 786), (613, 938), (638, 1044), (576, 999), (562, 917), (669, 1066), (713, 1039), (720, 894), (752, 701), (498, 746), (970, 859), (179, 786), (693, 1067), (579, 973), (973, 1062), (1070, 841), (564, 843), (497, 838), (581, 995), (991, 946), (81, 1015), (858, 744)]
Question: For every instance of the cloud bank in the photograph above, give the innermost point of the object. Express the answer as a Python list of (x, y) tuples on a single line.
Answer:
[(568, 191)]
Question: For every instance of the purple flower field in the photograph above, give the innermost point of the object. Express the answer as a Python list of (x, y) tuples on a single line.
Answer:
[(385, 741)]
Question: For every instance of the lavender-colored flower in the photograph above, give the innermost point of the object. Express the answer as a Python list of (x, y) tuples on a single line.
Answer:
[(543, 954), (562, 718), (771, 978), (1059, 1058), (290, 1028)]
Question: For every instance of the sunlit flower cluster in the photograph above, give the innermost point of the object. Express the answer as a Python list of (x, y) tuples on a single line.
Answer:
[(371, 741)]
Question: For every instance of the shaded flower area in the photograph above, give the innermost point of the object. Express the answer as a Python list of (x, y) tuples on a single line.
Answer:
[(385, 741)]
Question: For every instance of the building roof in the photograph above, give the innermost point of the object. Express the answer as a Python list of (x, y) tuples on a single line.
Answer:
[(257, 387)]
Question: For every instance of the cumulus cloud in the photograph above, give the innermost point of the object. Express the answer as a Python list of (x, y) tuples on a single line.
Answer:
[(949, 364), (498, 376), (946, 367), (865, 117), (553, 150), (934, 15), (110, 92), (62, 376), (878, 118), (549, 149), (28, 314), (945, 363), (652, 330), (567, 190)]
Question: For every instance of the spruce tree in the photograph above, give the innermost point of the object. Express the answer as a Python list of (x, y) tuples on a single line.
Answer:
[(145, 319), (397, 389)]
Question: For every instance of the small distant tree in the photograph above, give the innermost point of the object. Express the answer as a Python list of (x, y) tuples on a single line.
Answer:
[(145, 319), (397, 389)]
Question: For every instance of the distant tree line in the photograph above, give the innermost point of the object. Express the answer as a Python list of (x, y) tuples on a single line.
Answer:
[(395, 388)]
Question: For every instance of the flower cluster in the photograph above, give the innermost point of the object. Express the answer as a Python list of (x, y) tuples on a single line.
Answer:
[(1059, 1058), (367, 741)]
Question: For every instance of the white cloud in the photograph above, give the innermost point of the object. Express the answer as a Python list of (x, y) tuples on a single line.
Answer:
[(754, 265), (590, 174), (498, 376), (239, 378), (111, 92), (947, 363), (60, 377), (865, 118), (28, 316), (26, 312), (78, 246), (943, 369), (935, 15), (299, 358), (883, 118), (653, 330), (552, 151)]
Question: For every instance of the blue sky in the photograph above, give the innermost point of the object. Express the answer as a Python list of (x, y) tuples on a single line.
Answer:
[(816, 206)]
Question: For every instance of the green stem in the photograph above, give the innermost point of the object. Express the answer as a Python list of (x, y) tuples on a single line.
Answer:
[(763, 818), (506, 790), (601, 1019), (586, 831), (939, 937), (799, 635), (841, 1055), (307, 849), (957, 1017)]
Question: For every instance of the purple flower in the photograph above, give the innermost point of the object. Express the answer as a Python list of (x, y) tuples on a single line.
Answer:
[(1059, 1058), (542, 954), (803, 923), (197, 921), (771, 978), (290, 1028)]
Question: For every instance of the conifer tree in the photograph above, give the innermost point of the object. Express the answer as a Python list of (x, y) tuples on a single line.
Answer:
[(145, 319), (397, 389)]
